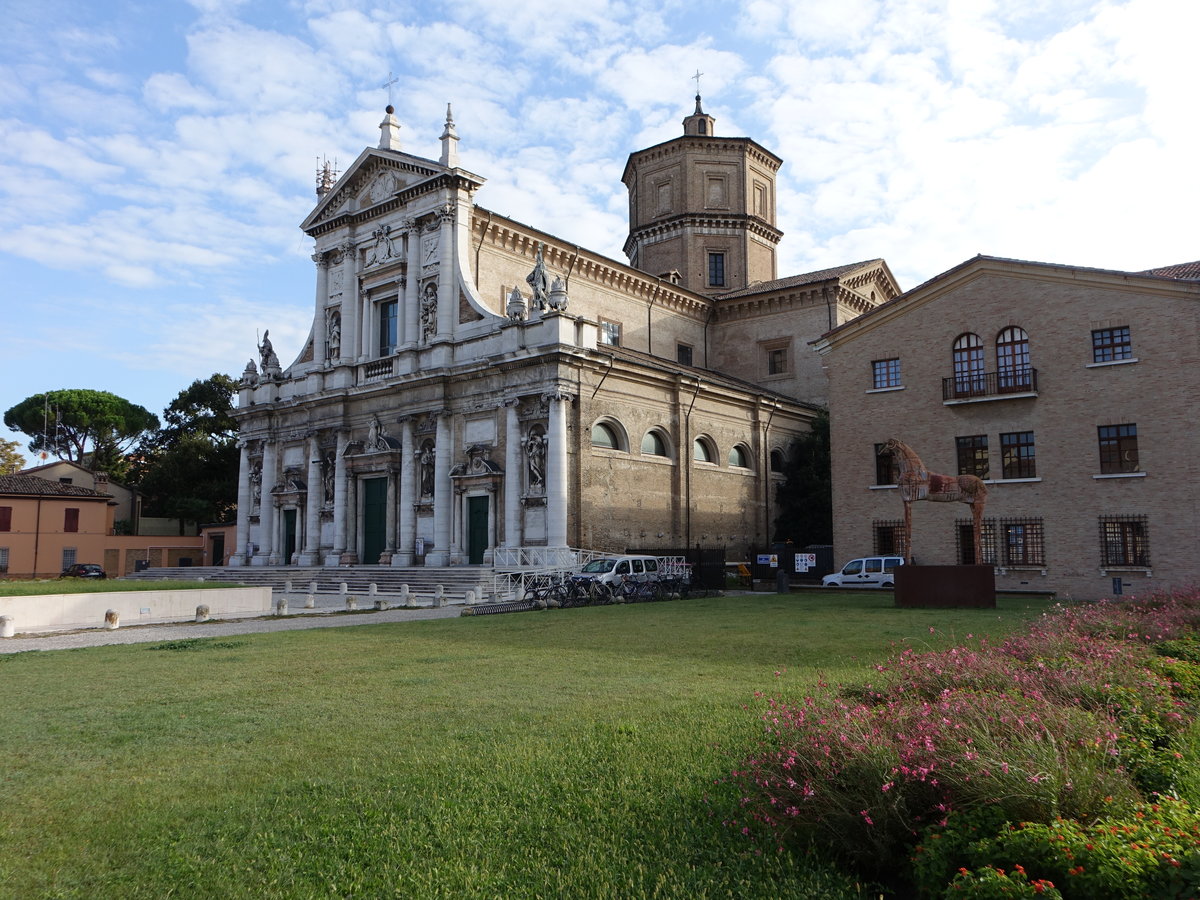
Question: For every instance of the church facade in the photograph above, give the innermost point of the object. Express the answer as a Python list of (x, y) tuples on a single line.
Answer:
[(471, 383)]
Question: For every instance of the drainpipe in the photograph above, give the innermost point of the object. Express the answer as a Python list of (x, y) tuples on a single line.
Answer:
[(37, 536), (686, 453)]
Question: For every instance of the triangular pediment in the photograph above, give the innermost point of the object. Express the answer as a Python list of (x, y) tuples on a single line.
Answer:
[(374, 178)]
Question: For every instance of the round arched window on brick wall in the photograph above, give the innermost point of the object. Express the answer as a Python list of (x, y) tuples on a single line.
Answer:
[(703, 450), (608, 435), (739, 457), (654, 444)]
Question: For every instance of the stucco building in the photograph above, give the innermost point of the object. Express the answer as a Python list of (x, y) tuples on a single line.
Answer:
[(472, 383), (1067, 389)]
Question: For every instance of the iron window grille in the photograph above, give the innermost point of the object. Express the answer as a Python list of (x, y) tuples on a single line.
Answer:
[(1118, 448), (1024, 542), (889, 537), (964, 534), (1125, 541)]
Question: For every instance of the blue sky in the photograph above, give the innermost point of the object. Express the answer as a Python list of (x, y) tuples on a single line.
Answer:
[(158, 155)]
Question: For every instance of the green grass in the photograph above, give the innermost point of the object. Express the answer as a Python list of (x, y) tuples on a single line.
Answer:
[(566, 753), (98, 586)]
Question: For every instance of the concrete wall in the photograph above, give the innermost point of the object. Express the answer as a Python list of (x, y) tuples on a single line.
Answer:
[(59, 611)]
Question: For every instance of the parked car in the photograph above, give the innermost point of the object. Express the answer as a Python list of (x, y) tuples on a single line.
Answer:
[(83, 570), (867, 571), (612, 570)]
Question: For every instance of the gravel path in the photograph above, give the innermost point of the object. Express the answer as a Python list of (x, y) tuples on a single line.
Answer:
[(137, 634)]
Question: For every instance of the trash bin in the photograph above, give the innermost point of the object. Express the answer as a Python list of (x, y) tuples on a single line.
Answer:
[(185, 561), (141, 565)]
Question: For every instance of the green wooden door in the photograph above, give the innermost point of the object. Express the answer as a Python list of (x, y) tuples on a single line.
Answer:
[(289, 535), (374, 519), (477, 529)]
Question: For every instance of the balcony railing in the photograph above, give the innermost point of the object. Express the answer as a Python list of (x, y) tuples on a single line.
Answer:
[(990, 384), (379, 370)]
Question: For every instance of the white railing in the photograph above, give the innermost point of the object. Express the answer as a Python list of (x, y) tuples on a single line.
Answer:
[(377, 371)]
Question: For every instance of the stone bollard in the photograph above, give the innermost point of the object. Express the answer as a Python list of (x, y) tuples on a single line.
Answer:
[(471, 597), (439, 595), (312, 587), (202, 612), (6, 626), (342, 588), (405, 598), (372, 589), (287, 586), (309, 600), (381, 603), (112, 619), (281, 606), (351, 602), (481, 594)]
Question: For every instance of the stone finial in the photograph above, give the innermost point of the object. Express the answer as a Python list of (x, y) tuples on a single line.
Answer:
[(389, 130), (518, 308), (449, 157), (558, 295)]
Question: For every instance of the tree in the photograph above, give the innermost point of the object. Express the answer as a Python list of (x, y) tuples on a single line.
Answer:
[(92, 428), (188, 470), (11, 461), (805, 499)]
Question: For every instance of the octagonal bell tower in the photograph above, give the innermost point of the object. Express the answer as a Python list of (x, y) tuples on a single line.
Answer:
[(702, 209)]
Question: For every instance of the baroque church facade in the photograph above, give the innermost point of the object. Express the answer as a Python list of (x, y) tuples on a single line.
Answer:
[(471, 383)]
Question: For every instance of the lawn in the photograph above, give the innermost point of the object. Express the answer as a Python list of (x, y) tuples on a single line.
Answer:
[(568, 753), (98, 586)]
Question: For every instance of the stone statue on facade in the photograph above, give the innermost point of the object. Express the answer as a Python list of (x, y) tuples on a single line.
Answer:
[(535, 454), (377, 436), (333, 334), (382, 250), (250, 375), (426, 459), (256, 485), (429, 313), (266, 353), (328, 473), (539, 281)]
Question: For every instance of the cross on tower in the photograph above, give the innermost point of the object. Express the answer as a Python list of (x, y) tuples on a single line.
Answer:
[(392, 79), (696, 78)]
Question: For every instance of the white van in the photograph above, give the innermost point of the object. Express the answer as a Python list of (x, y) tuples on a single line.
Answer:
[(612, 570), (869, 571)]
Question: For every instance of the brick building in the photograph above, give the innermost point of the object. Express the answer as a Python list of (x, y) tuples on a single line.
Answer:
[(1065, 388)]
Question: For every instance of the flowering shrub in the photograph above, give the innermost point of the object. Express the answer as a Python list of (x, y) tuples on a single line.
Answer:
[(1076, 718), (990, 883), (1152, 851)]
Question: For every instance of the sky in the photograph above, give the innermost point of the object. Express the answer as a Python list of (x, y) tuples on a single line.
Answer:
[(158, 155)]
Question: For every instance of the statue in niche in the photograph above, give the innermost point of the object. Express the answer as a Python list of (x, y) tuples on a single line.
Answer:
[(256, 485), (383, 249), (328, 472), (426, 459), (333, 334), (266, 353), (535, 454), (429, 313), (539, 281)]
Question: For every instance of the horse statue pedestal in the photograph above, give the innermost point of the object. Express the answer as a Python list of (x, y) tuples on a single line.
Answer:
[(946, 587)]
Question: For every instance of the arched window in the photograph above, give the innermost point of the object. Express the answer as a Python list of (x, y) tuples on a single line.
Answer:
[(777, 460), (739, 457), (604, 435), (969, 378), (1012, 360), (653, 444), (702, 451)]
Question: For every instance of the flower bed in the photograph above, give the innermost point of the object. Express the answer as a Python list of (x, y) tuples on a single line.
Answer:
[(1016, 744)]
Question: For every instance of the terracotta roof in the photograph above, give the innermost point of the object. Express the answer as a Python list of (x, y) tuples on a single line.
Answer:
[(44, 487), (798, 280), (1188, 271)]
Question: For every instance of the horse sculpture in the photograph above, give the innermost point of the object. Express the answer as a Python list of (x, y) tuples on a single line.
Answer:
[(918, 483)]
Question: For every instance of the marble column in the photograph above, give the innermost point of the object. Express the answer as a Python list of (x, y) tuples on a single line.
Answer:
[(320, 325), (312, 507), (411, 302), (242, 547), (367, 347), (513, 458), (390, 518), (353, 513), (447, 311), (268, 555), (350, 311), (339, 501), (443, 496), (556, 471), (408, 498)]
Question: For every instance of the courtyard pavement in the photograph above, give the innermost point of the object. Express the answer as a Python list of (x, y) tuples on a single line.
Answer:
[(137, 634)]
